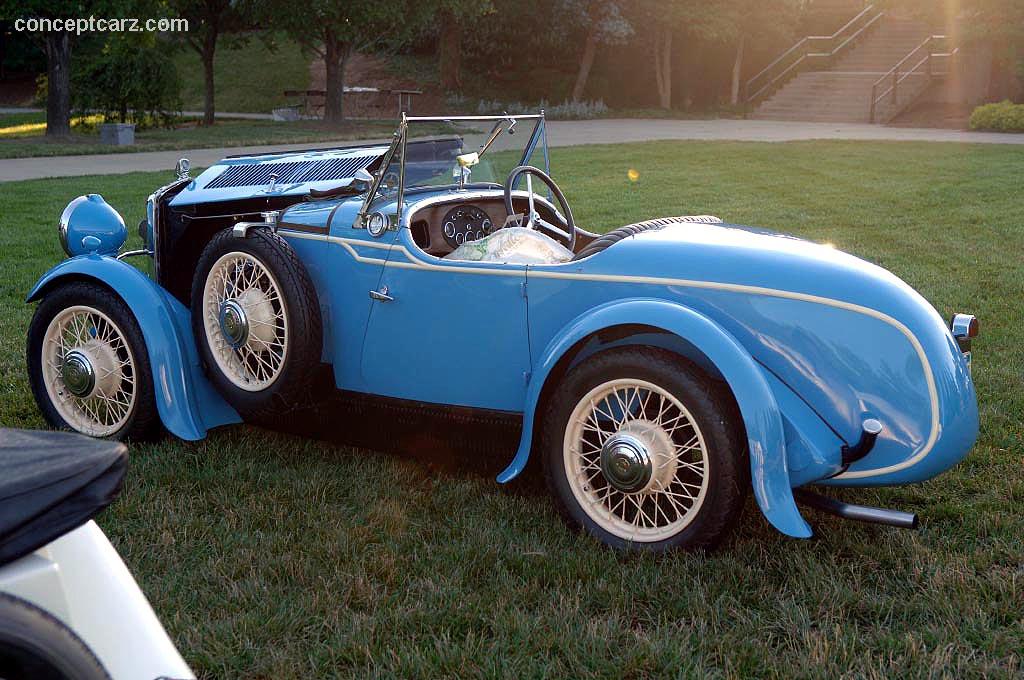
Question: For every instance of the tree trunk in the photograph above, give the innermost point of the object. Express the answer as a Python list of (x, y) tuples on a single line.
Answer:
[(449, 52), (737, 71), (207, 55), (58, 84), (663, 66), (336, 54), (586, 61)]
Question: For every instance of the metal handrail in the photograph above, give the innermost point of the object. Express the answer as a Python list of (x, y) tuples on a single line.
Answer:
[(893, 74), (807, 53)]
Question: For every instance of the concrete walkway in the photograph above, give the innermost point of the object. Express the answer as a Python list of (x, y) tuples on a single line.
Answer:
[(560, 133)]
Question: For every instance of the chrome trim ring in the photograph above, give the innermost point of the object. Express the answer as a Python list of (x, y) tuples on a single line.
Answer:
[(245, 320), (89, 371), (635, 460)]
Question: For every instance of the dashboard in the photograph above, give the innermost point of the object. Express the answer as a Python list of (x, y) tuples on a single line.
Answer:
[(439, 228), (466, 223)]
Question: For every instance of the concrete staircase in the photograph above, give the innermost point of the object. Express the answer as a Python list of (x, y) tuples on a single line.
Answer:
[(843, 92)]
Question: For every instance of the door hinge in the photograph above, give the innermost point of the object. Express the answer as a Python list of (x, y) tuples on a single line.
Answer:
[(522, 287)]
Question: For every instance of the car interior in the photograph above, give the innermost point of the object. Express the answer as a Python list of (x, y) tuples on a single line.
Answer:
[(441, 229)]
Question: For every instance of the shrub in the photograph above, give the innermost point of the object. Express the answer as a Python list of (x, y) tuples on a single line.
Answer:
[(1004, 116), (129, 81), (565, 111)]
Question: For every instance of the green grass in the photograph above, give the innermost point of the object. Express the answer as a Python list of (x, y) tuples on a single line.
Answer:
[(271, 556), (280, 69), (21, 136)]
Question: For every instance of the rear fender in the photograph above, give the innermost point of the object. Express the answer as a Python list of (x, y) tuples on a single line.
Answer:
[(188, 404), (756, 401)]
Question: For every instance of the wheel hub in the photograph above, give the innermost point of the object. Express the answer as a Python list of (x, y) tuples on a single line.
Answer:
[(77, 373), (233, 323), (626, 462)]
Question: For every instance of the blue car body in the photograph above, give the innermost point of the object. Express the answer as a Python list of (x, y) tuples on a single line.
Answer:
[(811, 341)]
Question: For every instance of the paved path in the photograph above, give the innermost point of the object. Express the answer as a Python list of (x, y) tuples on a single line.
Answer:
[(560, 133)]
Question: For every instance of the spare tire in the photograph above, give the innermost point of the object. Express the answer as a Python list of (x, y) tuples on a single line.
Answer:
[(257, 322)]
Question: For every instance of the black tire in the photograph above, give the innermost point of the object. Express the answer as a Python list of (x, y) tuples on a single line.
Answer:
[(713, 411), (144, 421), (35, 645), (292, 387)]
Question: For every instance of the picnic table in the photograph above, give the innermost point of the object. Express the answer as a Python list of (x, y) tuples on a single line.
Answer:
[(313, 100)]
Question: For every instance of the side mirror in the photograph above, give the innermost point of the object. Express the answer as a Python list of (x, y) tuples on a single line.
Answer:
[(363, 175)]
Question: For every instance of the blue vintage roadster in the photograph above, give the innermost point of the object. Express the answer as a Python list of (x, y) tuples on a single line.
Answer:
[(436, 290)]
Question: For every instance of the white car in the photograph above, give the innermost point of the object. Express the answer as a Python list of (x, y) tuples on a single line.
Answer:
[(69, 607)]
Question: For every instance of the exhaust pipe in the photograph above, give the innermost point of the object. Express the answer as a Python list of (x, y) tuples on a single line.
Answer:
[(859, 513)]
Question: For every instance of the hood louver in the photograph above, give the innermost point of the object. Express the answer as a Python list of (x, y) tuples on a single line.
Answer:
[(291, 172)]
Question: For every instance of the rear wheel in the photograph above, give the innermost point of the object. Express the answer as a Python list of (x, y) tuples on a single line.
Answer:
[(643, 451), (88, 364), (257, 322)]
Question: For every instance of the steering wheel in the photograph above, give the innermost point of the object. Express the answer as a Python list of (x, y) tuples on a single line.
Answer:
[(533, 219)]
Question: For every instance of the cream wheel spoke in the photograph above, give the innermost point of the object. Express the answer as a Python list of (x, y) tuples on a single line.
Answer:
[(636, 460), (246, 321), (82, 338)]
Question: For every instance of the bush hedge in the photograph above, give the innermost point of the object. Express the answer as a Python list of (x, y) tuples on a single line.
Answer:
[(1004, 116)]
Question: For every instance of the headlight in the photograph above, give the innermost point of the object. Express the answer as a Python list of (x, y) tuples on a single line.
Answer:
[(89, 225)]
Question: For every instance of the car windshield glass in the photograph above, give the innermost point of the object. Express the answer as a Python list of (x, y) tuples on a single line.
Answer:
[(461, 152)]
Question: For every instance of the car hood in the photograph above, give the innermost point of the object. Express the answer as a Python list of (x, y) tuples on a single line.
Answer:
[(238, 177)]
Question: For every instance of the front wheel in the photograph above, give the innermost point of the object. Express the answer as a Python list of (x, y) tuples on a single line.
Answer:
[(88, 364), (643, 451)]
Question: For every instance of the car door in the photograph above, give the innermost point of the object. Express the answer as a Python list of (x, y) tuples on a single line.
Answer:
[(448, 332)]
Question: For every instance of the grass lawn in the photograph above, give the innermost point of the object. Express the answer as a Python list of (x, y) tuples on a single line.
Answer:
[(22, 135), (271, 556)]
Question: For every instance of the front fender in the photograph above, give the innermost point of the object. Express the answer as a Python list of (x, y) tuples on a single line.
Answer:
[(758, 408), (188, 404)]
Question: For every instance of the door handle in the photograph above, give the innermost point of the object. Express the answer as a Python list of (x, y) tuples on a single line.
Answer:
[(381, 294)]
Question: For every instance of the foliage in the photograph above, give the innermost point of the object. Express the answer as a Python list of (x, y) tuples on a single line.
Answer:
[(132, 79), (276, 556), (1004, 116)]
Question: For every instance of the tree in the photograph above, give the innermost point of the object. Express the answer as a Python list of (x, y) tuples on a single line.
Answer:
[(695, 19), (452, 15), (57, 44), (764, 20), (606, 24), (208, 21), (999, 23), (130, 79), (334, 30)]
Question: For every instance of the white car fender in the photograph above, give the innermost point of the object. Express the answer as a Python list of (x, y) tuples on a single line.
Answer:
[(80, 579)]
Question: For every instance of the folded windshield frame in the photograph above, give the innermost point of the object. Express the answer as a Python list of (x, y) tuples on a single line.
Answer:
[(538, 138)]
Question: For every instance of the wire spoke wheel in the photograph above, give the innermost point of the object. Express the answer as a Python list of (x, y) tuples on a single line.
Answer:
[(245, 321), (89, 371), (635, 460)]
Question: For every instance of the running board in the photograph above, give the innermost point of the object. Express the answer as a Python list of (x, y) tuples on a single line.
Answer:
[(859, 513)]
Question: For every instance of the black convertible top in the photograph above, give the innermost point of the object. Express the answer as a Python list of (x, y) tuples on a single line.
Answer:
[(51, 483)]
